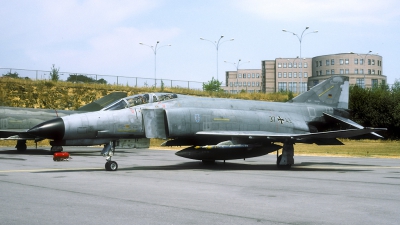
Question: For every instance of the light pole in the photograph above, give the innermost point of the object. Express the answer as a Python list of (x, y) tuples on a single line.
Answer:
[(217, 44), (365, 57), (300, 38), (237, 71), (155, 48), (292, 72)]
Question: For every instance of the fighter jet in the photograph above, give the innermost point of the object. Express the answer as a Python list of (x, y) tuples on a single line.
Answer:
[(215, 128), (14, 121)]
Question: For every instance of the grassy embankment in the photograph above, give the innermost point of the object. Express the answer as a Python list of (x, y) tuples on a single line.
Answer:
[(69, 96)]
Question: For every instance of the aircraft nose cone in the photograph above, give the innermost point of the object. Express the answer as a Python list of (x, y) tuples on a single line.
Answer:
[(52, 129)]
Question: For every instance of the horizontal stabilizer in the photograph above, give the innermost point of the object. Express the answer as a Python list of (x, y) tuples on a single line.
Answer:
[(349, 122)]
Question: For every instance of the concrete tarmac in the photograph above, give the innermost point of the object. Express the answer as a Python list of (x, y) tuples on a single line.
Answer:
[(157, 187)]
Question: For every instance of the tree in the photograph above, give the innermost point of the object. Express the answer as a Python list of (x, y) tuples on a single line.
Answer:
[(212, 85), (54, 75), (79, 78), (11, 75)]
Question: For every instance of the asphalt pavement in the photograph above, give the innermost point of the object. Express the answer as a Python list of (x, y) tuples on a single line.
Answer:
[(157, 187)]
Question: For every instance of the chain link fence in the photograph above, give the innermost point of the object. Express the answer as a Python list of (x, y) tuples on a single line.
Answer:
[(111, 79)]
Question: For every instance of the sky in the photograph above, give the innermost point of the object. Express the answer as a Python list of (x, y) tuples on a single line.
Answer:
[(103, 36)]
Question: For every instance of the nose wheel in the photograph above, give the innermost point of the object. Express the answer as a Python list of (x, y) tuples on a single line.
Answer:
[(108, 151), (111, 166)]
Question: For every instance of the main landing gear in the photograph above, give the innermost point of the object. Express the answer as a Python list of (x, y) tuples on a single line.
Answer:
[(108, 151), (285, 160), (21, 145)]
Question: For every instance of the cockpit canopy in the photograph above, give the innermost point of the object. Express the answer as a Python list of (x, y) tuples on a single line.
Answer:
[(139, 99)]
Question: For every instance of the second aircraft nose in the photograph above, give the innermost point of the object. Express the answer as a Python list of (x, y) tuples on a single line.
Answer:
[(51, 129)]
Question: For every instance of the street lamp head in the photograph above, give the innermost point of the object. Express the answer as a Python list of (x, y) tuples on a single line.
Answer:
[(201, 38), (307, 28), (158, 42), (232, 39), (140, 43), (284, 30), (369, 51), (222, 36), (315, 31)]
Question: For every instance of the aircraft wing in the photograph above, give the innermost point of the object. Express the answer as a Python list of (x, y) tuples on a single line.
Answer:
[(16, 135), (281, 137)]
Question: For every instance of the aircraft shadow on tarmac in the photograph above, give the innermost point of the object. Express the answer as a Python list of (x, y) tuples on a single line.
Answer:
[(220, 166)]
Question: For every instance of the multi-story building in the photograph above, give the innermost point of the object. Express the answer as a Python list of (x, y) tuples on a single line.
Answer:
[(248, 80), (298, 75), (364, 70)]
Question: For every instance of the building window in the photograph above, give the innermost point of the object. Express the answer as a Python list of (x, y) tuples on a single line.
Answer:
[(341, 61), (346, 61), (316, 73), (374, 82), (328, 72), (290, 75), (258, 75), (249, 84), (360, 82), (332, 71), (294, 87), (244, 84), (341, 71), (332, 62), (299, 74), (327, 62), (290, 65), (361, 71), (284, 65), (284, 75), (320, 72), (240, 84), (294, 74), (369, 71), (320, 63), (369, 61), (299, 64), (316, 63), (240, 75), (236, 84), (253, 75), (305, 65), (346, 71), (282, 86), (355, 71), (305, 74), (248, 75), (373, 62), (373, 71), (361, 61), (279, 75), (279, 65), (258, 84), (356, 61), (294, 65), (303, 86), (231, 84), (253, 84)]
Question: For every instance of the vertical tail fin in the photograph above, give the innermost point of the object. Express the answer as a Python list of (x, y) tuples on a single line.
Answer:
[(333, 92)]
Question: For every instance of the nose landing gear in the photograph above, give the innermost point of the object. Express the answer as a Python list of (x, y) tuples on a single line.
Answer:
[(108, 151)]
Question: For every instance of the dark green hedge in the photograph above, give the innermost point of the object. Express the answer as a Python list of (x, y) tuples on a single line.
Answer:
[(377, 107)]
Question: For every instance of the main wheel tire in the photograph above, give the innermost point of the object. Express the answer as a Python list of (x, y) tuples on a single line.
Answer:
[(282, 167), (21, 147), (111, 166)]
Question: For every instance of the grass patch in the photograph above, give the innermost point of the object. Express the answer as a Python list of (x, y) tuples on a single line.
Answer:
[(353, 148)]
